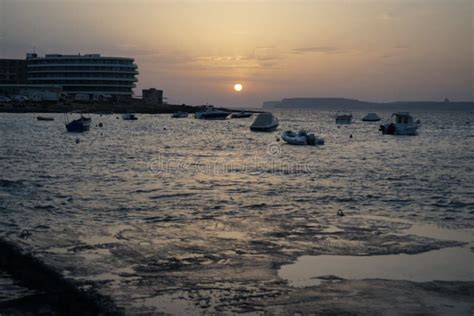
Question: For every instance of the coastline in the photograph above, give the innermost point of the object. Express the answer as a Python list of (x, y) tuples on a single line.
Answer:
[(49, 290), (135, 106)]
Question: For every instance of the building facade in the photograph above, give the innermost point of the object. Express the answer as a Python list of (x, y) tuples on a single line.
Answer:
[(87, 76), (152, 95), (12, 71)]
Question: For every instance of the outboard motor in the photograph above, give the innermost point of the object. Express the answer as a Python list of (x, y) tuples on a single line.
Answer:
[(382, 129), (391, 129), (311, 139)]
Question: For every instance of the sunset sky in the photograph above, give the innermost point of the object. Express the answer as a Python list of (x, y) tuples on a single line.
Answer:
[(196, 50)]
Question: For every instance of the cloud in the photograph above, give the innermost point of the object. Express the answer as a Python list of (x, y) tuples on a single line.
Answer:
[(260, 58), (317, 49)]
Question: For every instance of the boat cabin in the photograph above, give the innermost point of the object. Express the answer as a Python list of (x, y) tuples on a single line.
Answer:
[(402, 118)]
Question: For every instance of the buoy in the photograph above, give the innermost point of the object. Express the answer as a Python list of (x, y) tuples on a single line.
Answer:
[(100, 124), (164, 128), (78, 140), (350, 136), (277, 139), (340, 213), (25, 234)]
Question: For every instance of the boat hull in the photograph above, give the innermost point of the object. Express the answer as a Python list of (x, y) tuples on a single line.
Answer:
[(396, 129), (179, 115), (240, 115), (129, 117), (294, 139), (78, 126), (301, 140), (42, 118), (212, 116), (266, 129), (344, 121)]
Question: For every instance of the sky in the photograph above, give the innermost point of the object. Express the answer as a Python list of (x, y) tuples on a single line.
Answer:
[(196, 50)]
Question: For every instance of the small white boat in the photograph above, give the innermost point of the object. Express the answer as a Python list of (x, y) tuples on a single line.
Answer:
[(343, 118), (301, 138), (81, 124), (211, 114), (265, 122), (402, 123), (371, 117), (180, 114), (241, 114), (129, 117)]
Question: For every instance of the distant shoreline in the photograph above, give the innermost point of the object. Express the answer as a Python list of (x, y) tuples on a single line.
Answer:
[(353, 104)]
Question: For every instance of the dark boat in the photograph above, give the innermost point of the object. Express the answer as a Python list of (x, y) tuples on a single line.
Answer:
[(180, 114), (79, 125), (45, 118), (343, 117), (129, 117), (371, 117), (265, 122), (211, 114), (241, 114)]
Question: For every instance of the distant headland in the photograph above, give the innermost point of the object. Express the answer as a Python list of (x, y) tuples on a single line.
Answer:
[(353, 104)]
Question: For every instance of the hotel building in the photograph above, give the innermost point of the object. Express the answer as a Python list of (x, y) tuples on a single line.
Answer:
[(91, 76)]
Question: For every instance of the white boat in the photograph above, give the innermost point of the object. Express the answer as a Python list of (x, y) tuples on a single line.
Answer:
[(129, 117), (211, 114), (180, 114), (265, 122), (402, 123), (343, 118), (371, 117), (301, 138), (241, 114)]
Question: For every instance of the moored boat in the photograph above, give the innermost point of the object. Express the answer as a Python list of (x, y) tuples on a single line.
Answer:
[(129, 117), (78, 125), (180, 114), (264, 122), (371, 117), (242, 114), (343, 118), (45, 118), (402, 123), (211, 114), (301, 138)]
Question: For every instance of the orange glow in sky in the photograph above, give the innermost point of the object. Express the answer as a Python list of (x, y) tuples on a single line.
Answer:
[(194, 50)]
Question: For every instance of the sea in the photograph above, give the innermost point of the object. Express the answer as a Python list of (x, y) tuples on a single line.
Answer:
[(193, 216)]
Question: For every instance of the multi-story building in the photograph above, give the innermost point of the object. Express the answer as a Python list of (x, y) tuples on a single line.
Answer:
[(89, 75), (12, 71)]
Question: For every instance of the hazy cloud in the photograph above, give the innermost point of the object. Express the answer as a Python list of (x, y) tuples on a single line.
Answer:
[(317, 49)]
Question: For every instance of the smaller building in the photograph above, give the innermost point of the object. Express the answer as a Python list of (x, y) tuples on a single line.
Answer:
[(152, 96)]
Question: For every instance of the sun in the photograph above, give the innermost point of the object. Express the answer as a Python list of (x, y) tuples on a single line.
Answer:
[(238, 87)]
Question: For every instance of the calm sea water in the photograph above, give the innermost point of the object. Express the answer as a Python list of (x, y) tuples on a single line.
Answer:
[(156, 184)]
